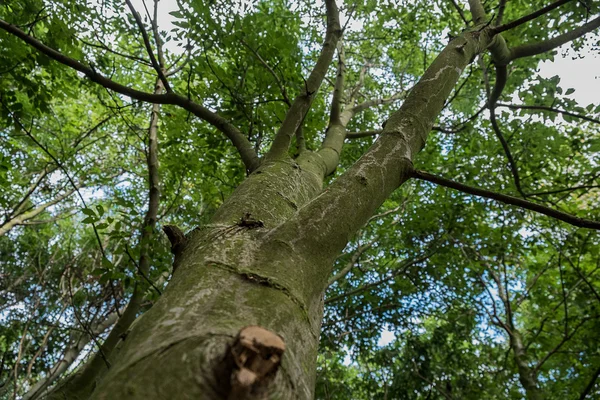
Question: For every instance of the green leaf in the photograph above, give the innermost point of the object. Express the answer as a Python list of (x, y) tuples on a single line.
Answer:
[(106, 263), (89, 212)]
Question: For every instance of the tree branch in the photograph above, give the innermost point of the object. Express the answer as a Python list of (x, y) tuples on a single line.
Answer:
[(338, 89), (529, 17), (70, 355), (278, 81), (515, 201), (18, 208), (303, 101), (157, 66), (86, 377), (21, 219), (398, 270), (375, 102), (351, 264), (157, 39), (511, 161), (477, 11), (533, 49), (492, 96), (357, 135), (460, 11), (245, 149), (564, 340), (546, 108), (500, 15), (590, 385)]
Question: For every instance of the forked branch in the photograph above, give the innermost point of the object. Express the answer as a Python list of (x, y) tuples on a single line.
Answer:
[(303, 101), (155, 64)]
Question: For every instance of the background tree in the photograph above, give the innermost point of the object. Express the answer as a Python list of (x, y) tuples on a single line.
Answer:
[(341, 172)]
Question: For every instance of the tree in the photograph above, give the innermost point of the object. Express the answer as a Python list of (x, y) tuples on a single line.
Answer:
[(241, 316)]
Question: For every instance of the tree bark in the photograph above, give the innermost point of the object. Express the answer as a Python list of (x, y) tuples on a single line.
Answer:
[(527, 377), (266, 256)]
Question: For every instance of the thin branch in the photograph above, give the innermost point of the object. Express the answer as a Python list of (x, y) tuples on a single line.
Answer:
[(493, 95), (357, 135), (400, 269), (530, 286), (431, 383), (115, 52), (564, 340), (157, 66), (568, 218), (137, 266), (529, 17), (74, 349), (60, 165), (157, 39), (22, 219), (36, 183), (359, 85), (93, 368), (375, 102), (278, 81), (547, 108), (338, 89), (576, 268), (511, 161), (460, 11), (352, 263), (590, 385)]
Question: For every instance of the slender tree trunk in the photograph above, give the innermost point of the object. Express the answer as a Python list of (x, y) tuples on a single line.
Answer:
[(81, 384), (527, 377), (70, 355)]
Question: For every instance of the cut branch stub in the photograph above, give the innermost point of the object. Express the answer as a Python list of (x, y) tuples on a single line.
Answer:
[(257, 354), (176, 237), (178, 242)]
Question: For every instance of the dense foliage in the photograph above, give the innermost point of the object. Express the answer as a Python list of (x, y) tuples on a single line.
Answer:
[(455, 280)]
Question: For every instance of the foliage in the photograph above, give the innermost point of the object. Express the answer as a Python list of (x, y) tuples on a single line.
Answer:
[(447, 273)]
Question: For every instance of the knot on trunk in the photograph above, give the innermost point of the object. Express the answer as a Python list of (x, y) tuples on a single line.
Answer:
[(256, 355)]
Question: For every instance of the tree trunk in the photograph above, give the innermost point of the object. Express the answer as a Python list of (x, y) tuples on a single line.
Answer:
[(265, 260), (231, 273), (527, 376)]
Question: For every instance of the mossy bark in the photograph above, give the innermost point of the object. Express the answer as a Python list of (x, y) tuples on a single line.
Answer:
[(273, 273)]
